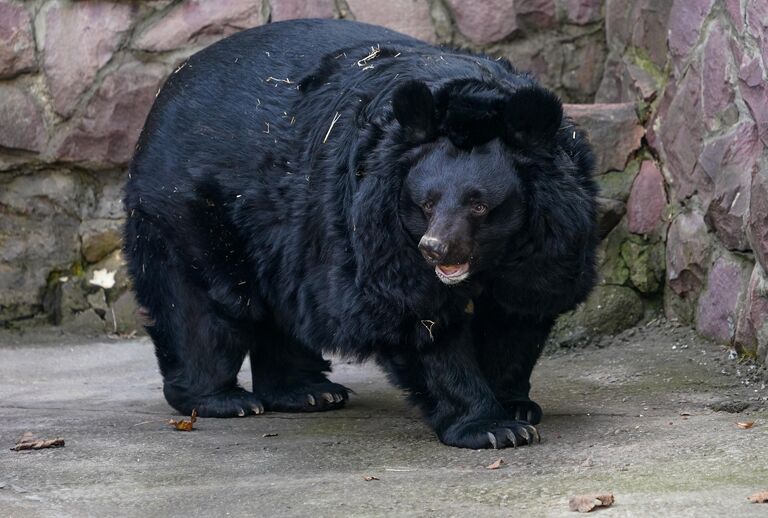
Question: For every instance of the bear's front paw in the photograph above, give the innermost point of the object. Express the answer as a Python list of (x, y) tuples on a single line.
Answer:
[(490, 433), (524, 410)]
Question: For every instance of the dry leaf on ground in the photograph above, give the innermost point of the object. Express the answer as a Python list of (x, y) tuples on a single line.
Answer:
[(496, 464), (586, 503), (184, 425), (744, 425), (368, 478), (28, 442), (760, 497)]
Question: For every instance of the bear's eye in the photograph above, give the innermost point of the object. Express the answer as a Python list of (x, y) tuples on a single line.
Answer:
[(479, 209), (427, 206)]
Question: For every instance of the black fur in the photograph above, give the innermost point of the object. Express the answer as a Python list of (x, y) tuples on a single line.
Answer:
[(257, 225)]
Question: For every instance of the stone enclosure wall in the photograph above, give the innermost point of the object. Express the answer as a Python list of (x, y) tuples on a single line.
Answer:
[(696, 70), (672, 92)]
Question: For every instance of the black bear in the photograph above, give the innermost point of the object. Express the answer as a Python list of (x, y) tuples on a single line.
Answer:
[(330, 186)]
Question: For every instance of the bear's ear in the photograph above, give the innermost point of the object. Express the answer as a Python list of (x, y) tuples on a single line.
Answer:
[(532, 115), (414, 109)]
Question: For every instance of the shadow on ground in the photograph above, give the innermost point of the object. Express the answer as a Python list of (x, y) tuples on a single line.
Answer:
[(649, 418)]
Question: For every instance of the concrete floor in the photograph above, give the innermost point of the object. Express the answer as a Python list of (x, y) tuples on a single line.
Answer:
[(613, 422)]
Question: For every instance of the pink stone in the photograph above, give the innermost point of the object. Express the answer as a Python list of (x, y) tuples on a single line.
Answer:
[(485, 22), (737, 149), (679, 136), (734, 13), (757, 25), (647, 199), (410, 17), (617, 28), (752, 327), (582, 66), (611, 89), (72, 62), (200, 22), (293, 9), (110, 125), (582, 12), (17, 46), (719, 305), (717, 91), (685, 22), (757, 229), (687, 254), (648, 26), (754, 90), (21, 123), (711, 158), (536, 14), (751, 72), (642, 82), (613, 129), (728, 210)]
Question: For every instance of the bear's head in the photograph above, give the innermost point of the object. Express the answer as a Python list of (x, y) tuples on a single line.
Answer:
[(465, 193)]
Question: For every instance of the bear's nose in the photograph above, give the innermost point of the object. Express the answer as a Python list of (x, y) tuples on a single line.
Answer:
[(432, 248)]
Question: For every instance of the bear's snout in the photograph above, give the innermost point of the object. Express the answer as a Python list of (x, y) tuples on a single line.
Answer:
[(451, 264), (433, 249)]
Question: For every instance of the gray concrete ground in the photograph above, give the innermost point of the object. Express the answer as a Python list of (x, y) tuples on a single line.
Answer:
[(616, 420)]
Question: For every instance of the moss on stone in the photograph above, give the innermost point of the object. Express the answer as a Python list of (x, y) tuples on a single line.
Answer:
[(613, 269), (77, 269), (617, 184), (607, 311), (645, 262), (642, 59)]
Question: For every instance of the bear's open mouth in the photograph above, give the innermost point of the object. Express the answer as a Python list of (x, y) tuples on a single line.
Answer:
[(452, 273)]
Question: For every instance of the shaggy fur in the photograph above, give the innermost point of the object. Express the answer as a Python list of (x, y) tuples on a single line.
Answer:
[(257, 225)]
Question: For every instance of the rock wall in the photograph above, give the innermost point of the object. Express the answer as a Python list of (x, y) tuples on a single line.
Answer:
[(672, 92), (697, 72)]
